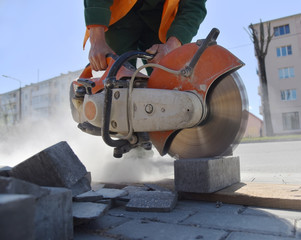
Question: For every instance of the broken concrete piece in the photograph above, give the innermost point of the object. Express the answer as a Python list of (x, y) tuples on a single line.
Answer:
[(152, 201), (103, 193), (83, 185), (17, 213), (53, 219), (90, 196), (131, 190), (17, 186), (206, 175), (5, 171), (85, 211), (56, 166)]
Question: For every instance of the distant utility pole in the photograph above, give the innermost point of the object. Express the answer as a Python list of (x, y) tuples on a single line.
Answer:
[(261, 45), (20, 92)]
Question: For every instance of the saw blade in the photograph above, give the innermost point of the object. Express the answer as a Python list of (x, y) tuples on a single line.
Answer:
[(223, 127)]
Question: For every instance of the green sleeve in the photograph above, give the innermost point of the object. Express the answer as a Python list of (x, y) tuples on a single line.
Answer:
[(97, 12), (190, 15)]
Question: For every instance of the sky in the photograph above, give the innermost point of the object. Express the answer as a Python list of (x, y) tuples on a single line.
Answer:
[(43, 39)]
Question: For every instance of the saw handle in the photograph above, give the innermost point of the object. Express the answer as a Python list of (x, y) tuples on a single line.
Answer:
[(87, 72)]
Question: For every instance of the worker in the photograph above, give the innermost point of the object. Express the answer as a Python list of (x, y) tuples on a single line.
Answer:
[(154, 26)]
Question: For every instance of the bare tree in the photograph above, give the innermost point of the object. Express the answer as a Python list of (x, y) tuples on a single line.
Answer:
[(261, 44)]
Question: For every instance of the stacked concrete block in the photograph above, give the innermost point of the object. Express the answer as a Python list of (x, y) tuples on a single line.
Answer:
[(17, 212), (206, 175), (53, 219), (56, 166), (53, 209)]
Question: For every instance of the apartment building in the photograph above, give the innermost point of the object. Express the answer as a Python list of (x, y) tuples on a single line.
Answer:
[(283, 68), (36, 101)]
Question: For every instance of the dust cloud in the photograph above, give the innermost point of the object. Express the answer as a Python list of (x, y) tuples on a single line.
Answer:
[(28, 138)]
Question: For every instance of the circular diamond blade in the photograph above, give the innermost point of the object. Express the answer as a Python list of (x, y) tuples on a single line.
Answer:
[(223, 127)]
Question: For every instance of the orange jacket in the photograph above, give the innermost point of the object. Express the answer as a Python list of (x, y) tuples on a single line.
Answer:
[(121, 7)]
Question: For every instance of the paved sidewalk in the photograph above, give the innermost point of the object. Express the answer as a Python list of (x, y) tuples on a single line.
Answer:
[(195, 220)]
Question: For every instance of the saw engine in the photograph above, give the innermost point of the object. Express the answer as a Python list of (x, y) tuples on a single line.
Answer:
[(193, 104)]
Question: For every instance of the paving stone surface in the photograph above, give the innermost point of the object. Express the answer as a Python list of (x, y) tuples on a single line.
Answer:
[(252, 236), (154, 201), (264, 225), (196, 220), (156, 230)]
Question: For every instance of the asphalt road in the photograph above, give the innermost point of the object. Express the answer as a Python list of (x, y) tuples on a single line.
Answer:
[(275, 162)]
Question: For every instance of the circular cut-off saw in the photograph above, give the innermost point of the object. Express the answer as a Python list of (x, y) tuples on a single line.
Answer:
[(193, 104)]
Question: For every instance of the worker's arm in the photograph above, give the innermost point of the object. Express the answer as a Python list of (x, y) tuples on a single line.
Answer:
[(97, 17), (190, 15)]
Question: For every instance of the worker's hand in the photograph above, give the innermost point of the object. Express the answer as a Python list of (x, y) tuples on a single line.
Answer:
[(160, 50), (99, 49)]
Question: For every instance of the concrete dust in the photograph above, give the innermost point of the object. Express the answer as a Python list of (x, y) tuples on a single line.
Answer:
[(26, 139)]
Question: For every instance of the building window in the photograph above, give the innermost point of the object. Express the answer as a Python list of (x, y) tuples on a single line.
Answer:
[(284, 51), (288, 95), (281, 30), (286, 72), (290, 121)]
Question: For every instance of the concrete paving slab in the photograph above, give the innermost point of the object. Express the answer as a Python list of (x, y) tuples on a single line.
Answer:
[(175, 216), (85, 211), (209, 207), (111, 193), (206, 175), (17, 216), (90, 196), (244, 223), (154, 201), (252, 236), (91, 236), (141, 229), (55, 166), (269, 212), (102, 223)]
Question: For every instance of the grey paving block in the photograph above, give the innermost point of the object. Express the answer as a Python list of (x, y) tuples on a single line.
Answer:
[(268, 212), (5, 171), (155, 201), (252, 236), (53, 219), (131, 190), (206, 175), (244, 223), (176, 216), (17, 186), (81, 186), (140, 229), (85, 211), (209, 207), (111, 192), (55, 166), (17, 213), (90, 196)]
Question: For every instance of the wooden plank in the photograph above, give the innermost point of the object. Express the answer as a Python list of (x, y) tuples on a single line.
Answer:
[(254, 194)]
